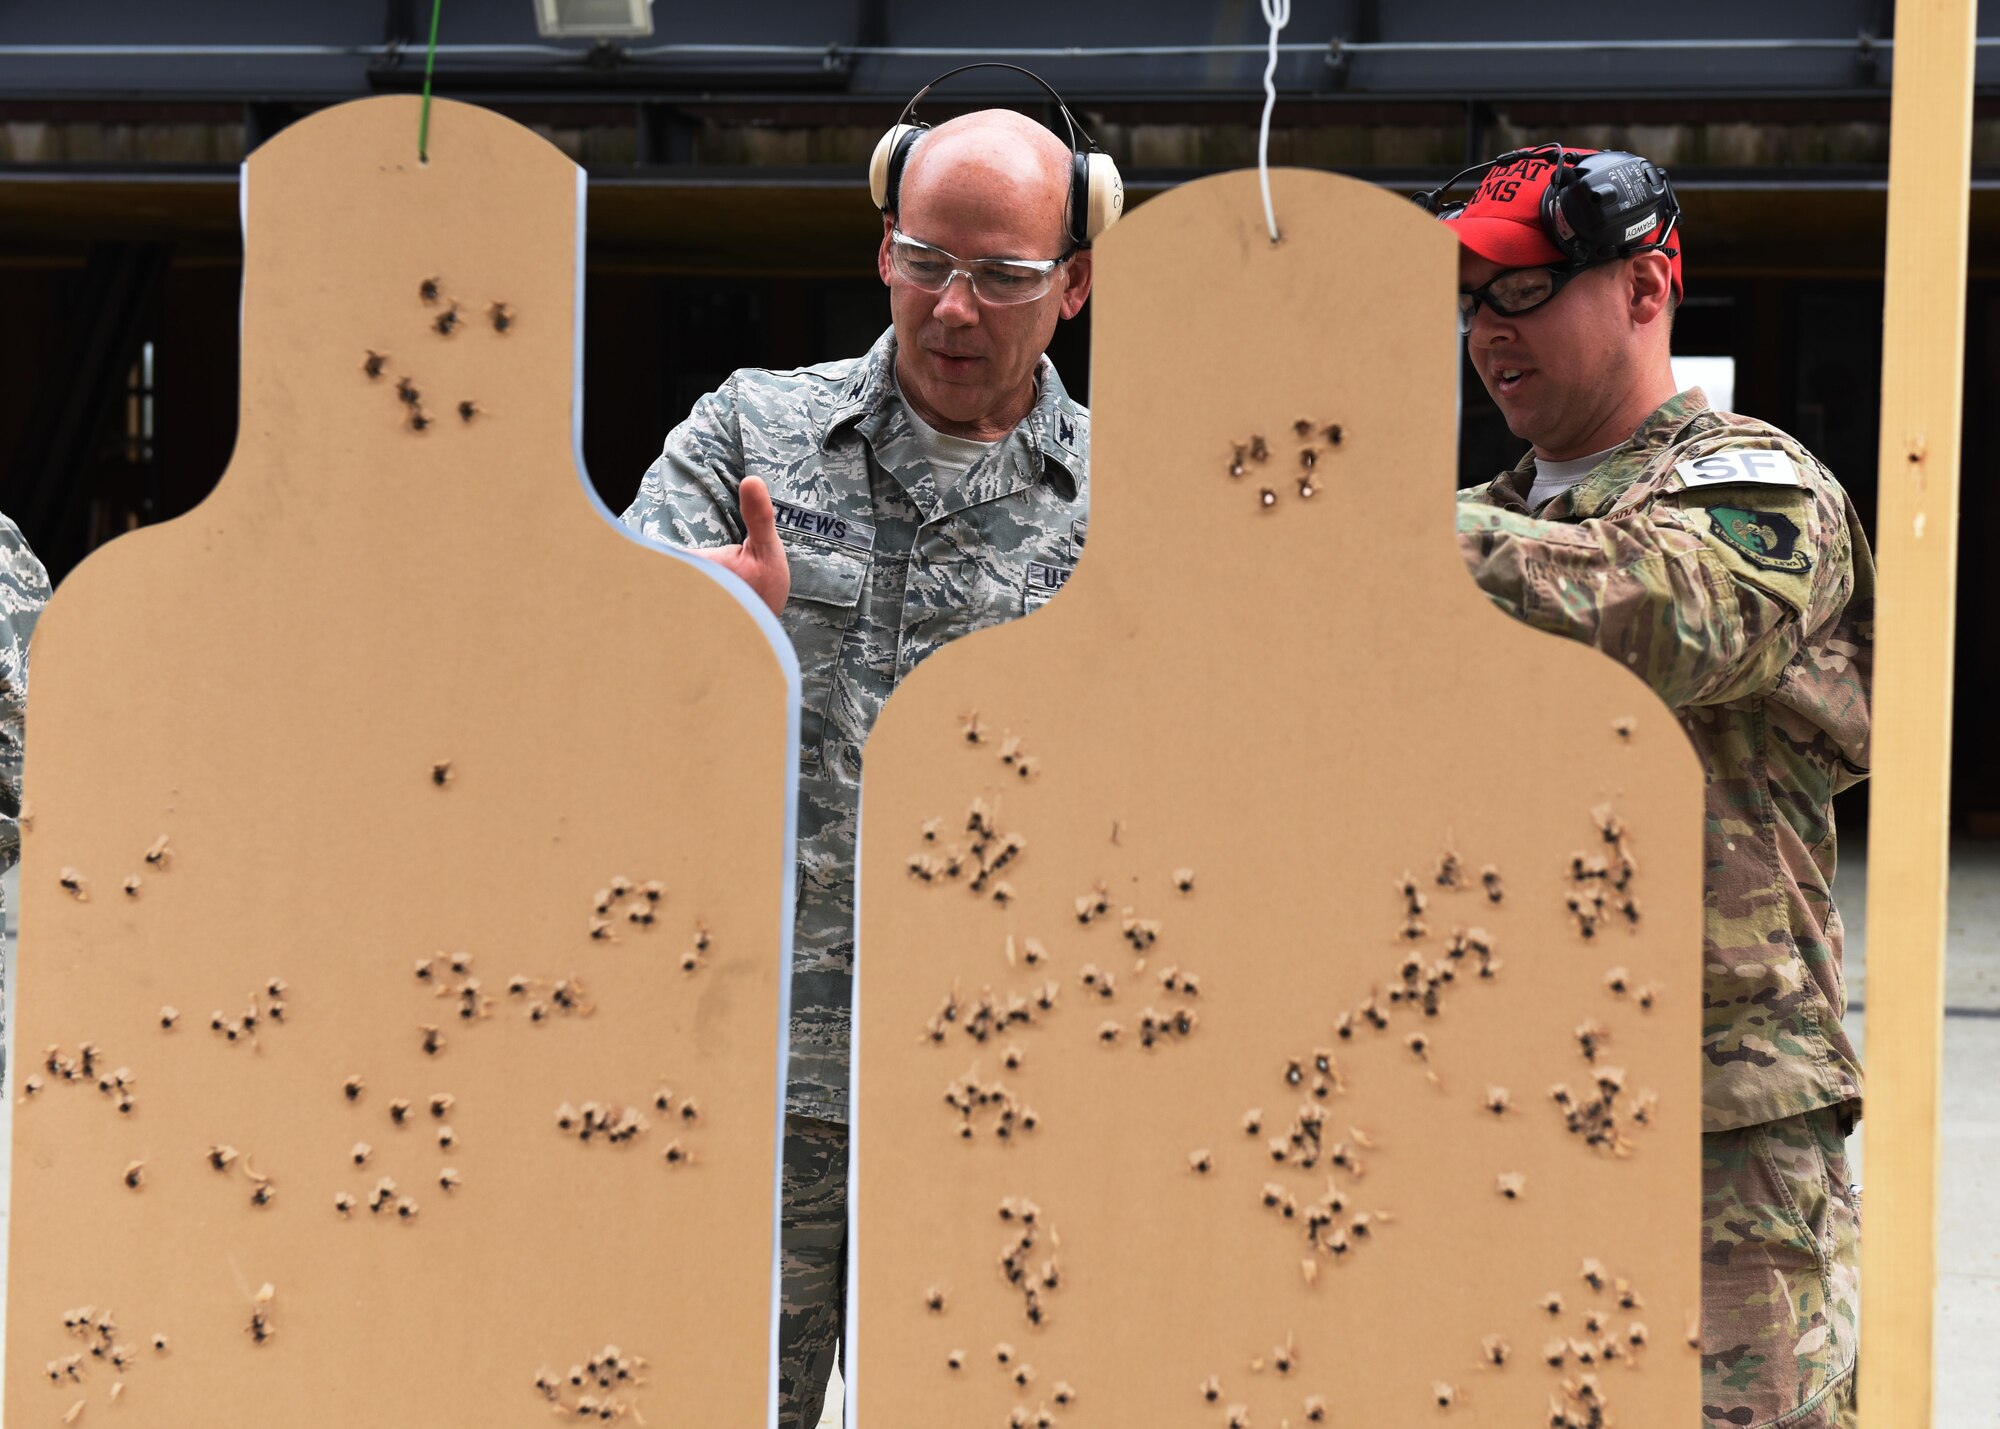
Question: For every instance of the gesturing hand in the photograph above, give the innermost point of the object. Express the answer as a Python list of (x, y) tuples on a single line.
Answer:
[(760, 559)]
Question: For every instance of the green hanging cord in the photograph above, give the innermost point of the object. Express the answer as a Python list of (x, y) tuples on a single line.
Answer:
[(430, 60)]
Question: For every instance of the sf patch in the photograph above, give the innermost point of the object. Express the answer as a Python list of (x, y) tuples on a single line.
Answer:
[(1765, 538)]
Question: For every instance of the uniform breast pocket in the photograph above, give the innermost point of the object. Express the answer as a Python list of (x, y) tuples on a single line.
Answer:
[(820, 611)]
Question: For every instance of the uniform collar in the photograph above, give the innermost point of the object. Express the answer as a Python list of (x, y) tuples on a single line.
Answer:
[(1053, 430), (1611, 478)]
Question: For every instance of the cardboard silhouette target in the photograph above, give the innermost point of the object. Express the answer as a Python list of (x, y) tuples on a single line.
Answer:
[(1280, 971), (406, 877)]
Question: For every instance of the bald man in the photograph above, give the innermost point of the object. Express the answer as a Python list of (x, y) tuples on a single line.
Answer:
[(882, 506)]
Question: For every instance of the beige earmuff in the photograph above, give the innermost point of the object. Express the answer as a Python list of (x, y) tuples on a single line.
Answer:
[(878, 163), (1106, 201)]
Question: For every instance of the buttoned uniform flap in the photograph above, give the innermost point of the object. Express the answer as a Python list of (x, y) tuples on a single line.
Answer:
[(825, 574)]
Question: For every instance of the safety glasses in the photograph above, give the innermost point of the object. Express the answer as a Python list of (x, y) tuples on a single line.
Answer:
[(1516, 291), (993, 280)]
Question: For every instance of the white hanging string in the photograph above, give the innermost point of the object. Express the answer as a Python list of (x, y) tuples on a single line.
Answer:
[(1277, 14)]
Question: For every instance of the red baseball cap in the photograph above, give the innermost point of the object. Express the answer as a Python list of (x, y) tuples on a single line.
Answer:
[(1502, 222)]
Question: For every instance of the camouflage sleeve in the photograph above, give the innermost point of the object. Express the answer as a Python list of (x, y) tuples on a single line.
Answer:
[(1704, 598), (24, 590), (688, 497)]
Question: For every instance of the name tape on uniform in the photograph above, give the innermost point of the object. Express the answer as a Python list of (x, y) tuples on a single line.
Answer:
[(841, 530), (1044, 581), (1766, 468)]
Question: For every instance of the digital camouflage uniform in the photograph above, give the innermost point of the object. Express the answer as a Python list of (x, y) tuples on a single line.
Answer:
[(884, 571), (24, 590), (1748, 605)]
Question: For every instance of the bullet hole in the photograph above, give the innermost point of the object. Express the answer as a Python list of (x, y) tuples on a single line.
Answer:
[(469, 409), (447, 321), (361, 1152), (343, 1203), (427, 291), (1201, 1162), (372, 365), (259, 1329), (1444, 1394), (169, 1015), (351, 1089), (1267, 498), (74, 884), (135, 1175), (1511, 1185), (132, 886), (441, 773), (501, 316)]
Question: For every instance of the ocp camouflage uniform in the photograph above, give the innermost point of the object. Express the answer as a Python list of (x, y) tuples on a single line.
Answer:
[(24, 590), (1745, 597), (885, 570)]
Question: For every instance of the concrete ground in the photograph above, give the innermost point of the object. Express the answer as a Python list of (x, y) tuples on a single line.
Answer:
[(1968, 1323)]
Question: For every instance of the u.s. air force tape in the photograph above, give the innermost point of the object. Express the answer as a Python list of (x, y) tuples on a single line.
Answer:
[(841, 530), (1767, 468)]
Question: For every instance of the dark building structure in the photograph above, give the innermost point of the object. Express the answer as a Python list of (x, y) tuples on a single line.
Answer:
[(729, 222)]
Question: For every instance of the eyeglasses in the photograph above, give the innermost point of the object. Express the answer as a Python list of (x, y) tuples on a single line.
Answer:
[(1515, 291), (994, 280)]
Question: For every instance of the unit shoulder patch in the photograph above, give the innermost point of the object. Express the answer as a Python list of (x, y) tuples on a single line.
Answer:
[(1764, 538)]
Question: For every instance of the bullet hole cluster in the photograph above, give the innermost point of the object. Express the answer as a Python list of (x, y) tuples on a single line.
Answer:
[(270, 1004), (991, 1106), (102, 1352), (159, 856), (1028, 1261), (85, 1069), (1268, 1397), (1600, 884), (1594, 1113), (612, 1125), (1314, 440), (624, 902), (1588, 1338), (988, 853), (450, 978), (446, 319), (601, 1387), (1329, 1223)]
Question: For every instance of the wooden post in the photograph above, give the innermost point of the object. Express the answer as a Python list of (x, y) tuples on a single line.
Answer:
[(1923, 351)]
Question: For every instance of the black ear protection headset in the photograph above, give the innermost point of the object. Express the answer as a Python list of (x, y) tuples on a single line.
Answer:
[(1096, 193), (1596, 207)]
